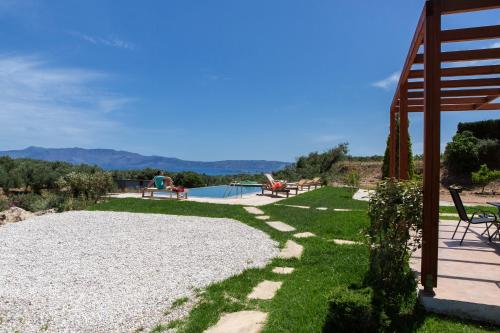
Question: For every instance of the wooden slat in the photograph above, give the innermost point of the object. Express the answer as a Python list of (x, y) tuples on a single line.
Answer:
[(403, 133), (468, 34), (467, 55), (461, 107), (447, 100), (460, 71), (490, 106), (488, 82), (417, 39), (461, 6), (460, 93)]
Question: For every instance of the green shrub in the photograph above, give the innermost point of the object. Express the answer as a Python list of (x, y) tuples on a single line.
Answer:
[(485, 129), (37, 202), (386, 159), (353, 179), (188, 179), (87, 186), (461, 155), (350, 311), (484, 176), (395, 232), (4, 205)]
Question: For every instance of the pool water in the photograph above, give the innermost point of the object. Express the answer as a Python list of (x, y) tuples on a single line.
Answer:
[(219, 191)]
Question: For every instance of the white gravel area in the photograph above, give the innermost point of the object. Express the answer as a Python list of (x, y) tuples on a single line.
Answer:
[(115, 272)]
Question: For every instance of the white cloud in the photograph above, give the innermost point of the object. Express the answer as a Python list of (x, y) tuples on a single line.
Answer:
[(53, 106), (495, 45), (111, 41), (388, 82)]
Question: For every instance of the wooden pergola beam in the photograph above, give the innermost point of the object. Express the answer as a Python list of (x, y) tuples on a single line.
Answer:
[(403, 133), (462, 6), (460, 93), (432, 155), (459, 107), (459, 71), (417, 39), (450, 100), (467, 55), (487, 82), (468, 34)]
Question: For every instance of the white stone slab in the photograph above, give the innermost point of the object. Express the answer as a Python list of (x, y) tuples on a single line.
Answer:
[(342, 210), (321, 208), (254, 210), (345, 242), (283, 270), (304, 235), (280, 226), (240, 322), (265, 290), (262, 217), (291, 250)]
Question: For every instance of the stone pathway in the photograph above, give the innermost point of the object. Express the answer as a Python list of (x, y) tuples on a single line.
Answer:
[(344, 242), (283, 270), (262, 217), (280, 226), (321, 208), (240, 322), (265, 290), (254, 210), (342, 210), (304, 235), (291, 250), (294, 206)]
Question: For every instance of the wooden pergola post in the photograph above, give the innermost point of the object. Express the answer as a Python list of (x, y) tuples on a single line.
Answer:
[(432, 123), (403, 132), (392, 144)]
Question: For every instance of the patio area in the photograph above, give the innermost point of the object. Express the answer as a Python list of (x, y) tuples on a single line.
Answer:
[(469, 275)]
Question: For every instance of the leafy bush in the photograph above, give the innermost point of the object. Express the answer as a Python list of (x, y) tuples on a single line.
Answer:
[(485, 129), (188, 179), (396, 216), (465, 153), (353, 179), (314, 165), (484, 176), (87, 186), (350, 311), (37, 202), (386, 159), (4, 204), (461, 155)]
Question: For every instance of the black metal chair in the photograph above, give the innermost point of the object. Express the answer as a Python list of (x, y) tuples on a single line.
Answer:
[(476, 218)]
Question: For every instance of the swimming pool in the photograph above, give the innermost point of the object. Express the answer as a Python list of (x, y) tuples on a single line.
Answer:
[(220, 190)]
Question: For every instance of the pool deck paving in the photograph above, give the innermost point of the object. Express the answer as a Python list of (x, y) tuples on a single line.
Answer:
[(468, 275)]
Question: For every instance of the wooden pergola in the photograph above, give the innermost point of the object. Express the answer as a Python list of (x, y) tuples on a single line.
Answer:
[(434, 89)]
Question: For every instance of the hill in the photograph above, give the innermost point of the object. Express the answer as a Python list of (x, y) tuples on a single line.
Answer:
[(110, 159)]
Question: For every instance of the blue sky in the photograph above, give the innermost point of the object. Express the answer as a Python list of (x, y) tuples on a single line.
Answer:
[(208, 80)]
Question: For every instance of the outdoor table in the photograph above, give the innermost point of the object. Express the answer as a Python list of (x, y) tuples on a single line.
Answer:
[(497, 205)]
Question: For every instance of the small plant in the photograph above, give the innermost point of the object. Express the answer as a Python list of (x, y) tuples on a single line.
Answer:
[(353, 179), (395, 232), (179, 302), (484, 176)]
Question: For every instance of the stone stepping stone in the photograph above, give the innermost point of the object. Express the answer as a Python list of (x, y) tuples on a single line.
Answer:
[(449, 214), (265, 290), (283, 270), (240, 322), (262, 217), (280, 226), (304, 235), (321, 208), (254, 210), (345, 242), (291, 250), (342, 210)]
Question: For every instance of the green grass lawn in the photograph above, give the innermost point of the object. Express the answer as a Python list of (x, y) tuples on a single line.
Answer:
[(301, 304)]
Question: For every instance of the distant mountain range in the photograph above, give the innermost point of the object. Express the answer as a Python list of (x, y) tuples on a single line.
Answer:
[(110, 159)]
